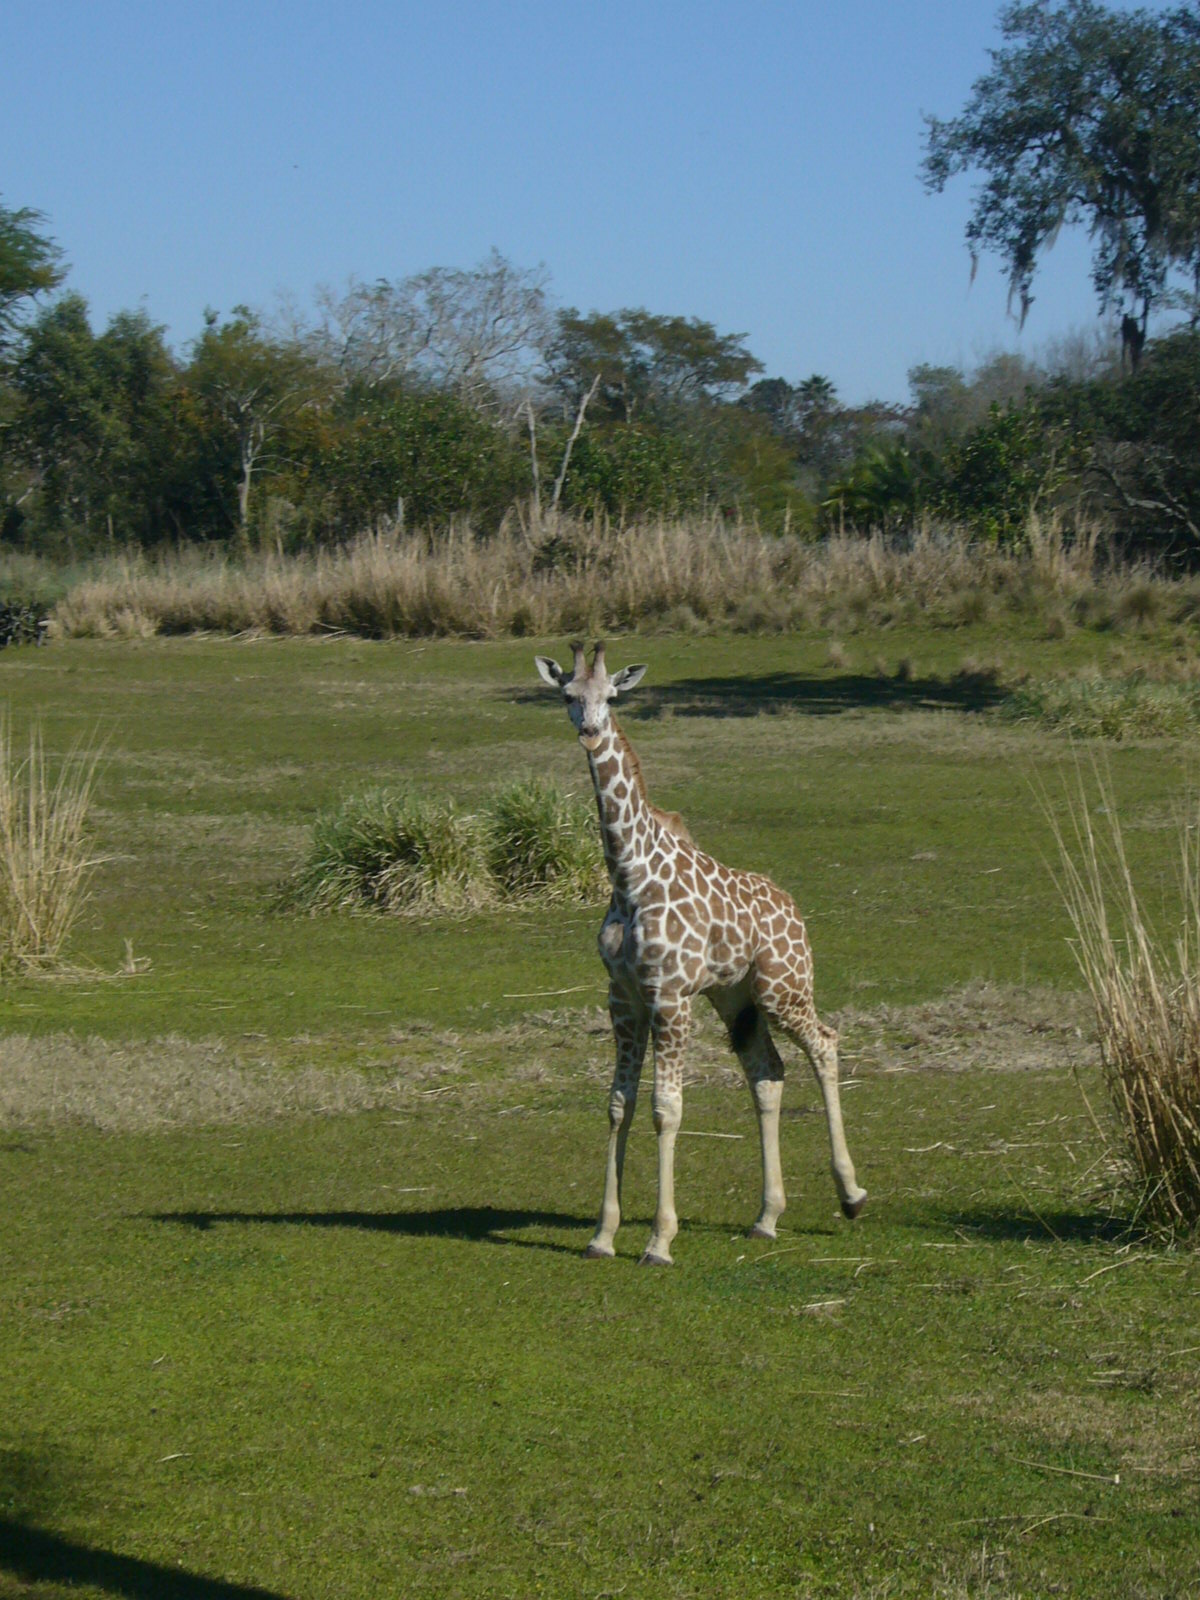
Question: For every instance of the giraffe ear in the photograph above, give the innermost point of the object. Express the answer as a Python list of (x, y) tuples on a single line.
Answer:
[(549, 671), (628, 678)]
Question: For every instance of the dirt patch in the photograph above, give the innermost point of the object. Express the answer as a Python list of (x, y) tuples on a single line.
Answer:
[(173, 1082), (980, 1028), (164, 1083)]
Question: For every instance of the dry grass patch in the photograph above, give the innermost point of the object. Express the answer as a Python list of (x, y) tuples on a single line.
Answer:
[(571, 577), (168, 1082), (45, 855), (1145, 991)]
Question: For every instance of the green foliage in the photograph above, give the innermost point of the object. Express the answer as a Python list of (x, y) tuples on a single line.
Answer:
[(29, 265), (646, 364), (1107, 708), (91, 428), (253, 388), (992, 477), (426, 457), (1144, 457), (398, 852), (543, 844), (1088, 116), (393, 851), (623, 469), (879, 492)]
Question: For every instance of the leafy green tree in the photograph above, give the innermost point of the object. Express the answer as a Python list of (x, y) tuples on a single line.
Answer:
[(645, 363), (422, 457), (880, 493), (992, 477), (85, 438), (625, 469), (1134, 445), (254, 388), (1088, 116), (29, 265), (777, 402)]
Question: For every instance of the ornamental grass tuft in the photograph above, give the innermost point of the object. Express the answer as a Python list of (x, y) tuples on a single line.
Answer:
[(403, 853), (45, 860), (1145, 989)]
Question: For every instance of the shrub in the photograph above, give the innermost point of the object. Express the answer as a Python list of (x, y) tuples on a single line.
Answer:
[(392, 851), (1146, 995), (44, 859), (401, 853), (1105, 708), (544, 844)]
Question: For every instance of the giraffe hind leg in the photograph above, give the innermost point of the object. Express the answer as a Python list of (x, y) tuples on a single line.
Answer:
[(798, 1019)]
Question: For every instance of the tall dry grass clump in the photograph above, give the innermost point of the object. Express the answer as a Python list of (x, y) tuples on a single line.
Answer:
[(45, 862), (1146, 994), (565, 576)]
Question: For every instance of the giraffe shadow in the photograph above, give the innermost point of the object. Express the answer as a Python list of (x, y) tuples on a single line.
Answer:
[(475, 1224), (36, 1555)]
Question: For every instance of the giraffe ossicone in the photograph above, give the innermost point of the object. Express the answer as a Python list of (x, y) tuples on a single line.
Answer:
[(680, 924)]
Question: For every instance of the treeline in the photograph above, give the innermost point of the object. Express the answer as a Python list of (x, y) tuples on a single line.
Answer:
[(466, 393)]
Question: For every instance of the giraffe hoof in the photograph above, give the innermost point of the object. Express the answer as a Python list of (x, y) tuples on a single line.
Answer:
[(597, 1252), (655, 1261), (851, 1208), (759, 1232)]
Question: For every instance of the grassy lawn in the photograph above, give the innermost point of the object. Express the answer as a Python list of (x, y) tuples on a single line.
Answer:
[(291, 1297)]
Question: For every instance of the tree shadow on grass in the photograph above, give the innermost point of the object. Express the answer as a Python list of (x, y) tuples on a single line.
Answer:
[(479, 1224), (35, 1555), (1017, 1225), (815, 693)]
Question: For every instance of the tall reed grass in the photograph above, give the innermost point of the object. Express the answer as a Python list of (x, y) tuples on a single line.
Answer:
[(45, 862), (1145, 989), (573, 576)]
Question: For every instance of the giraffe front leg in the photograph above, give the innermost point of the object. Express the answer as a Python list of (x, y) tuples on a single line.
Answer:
[(767, 1089), (630, 1031), (670, 1024)]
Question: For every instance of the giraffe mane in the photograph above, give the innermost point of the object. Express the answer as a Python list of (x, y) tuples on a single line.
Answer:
[(670, 820)]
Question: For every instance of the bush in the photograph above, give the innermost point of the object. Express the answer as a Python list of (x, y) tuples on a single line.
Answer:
[(544, 844), (1102, 708), (394, 852), (398, 852)]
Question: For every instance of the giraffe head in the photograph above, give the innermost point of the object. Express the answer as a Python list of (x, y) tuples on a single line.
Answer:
[(588, 691)]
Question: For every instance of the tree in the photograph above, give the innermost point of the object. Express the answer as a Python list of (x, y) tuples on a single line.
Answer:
[(478, 333), (645, 361), (29, 265), (423, 456), (1088, 116), (85, 439), (255, 387)]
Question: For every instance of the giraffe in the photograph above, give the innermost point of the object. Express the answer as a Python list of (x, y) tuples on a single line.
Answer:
[(680, 924)]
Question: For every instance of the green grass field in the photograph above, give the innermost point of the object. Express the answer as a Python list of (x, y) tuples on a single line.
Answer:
[(292, 1301)]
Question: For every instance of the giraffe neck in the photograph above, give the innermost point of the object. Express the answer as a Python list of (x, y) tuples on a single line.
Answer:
[(629, 829)]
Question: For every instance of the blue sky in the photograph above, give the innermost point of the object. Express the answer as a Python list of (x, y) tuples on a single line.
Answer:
[(752, 162)]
